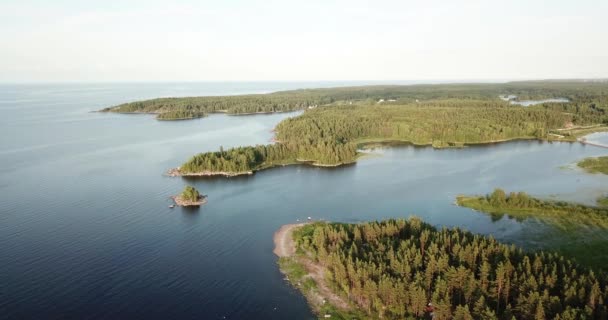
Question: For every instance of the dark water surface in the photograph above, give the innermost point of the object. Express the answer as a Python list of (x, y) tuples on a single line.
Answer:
[(85, 231)]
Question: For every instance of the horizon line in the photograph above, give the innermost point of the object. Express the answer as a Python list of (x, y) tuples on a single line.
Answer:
[(413, 81)]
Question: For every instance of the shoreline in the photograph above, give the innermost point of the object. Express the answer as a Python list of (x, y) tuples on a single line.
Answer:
[(175, 172), (283, 241), (369, 145), (595, 144), (321, 298), (187, 203), (109, 110)]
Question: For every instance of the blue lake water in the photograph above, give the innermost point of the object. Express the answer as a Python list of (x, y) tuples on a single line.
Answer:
[(86, 232)]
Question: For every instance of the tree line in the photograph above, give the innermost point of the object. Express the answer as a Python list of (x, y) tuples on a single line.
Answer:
[(590, 95)]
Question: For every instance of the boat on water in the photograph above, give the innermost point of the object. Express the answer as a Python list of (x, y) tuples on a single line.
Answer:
[(172, 206)]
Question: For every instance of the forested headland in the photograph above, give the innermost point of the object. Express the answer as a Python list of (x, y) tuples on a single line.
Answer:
[(332, 135), (338, 121), (595, 165), (406, 269), (520, 205)]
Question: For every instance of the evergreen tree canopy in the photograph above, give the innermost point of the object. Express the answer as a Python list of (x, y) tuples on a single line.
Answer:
[(394, 268)]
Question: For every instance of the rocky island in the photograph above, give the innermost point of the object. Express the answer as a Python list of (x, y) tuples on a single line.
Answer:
[(190, 197)]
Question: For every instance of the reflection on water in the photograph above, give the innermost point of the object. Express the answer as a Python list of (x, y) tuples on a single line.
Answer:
[(87, 232)]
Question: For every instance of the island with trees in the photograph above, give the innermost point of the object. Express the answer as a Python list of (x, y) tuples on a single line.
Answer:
[(595, 165), (407, 269), (521, 206), (190, 197)]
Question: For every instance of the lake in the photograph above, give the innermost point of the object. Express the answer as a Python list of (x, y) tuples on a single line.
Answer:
[(86, 231)]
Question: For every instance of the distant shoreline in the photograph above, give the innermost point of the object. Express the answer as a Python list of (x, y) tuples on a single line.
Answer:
[(158, 113), (176, 172)]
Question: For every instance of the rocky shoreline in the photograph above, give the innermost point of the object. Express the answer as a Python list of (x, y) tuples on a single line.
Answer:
[(176, 172), (188, 203)]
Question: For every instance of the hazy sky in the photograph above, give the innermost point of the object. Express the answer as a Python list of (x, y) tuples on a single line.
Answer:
[(301, 40)]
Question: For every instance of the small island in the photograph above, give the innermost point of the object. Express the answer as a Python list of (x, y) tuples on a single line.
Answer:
[(406, 269), (595, 165), (190, 197)]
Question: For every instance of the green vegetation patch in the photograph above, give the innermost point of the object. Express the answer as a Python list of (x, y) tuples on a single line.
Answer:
[(240, 160), (180, 115), (190, 194), (603, 201), (595, 165), (398, 269), (567, 216)]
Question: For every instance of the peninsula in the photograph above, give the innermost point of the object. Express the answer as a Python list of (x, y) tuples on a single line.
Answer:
[(398, 269)]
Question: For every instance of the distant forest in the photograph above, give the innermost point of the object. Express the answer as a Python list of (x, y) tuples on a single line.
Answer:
[(399, 269), (583, 93)]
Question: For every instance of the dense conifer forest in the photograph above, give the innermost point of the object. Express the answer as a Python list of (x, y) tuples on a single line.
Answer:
[(180, 115), (399, 269)]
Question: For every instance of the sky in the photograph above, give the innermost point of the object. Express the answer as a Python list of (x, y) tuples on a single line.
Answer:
[(312, 40)]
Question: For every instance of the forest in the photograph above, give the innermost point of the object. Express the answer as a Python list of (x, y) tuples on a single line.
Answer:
[(332, 135), (581, 94), (595, 165), (239, 160), (521, 205), (180, 115), (398, 269)]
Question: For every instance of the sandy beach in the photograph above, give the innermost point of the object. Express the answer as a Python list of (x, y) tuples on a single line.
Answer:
[(284, 246), (283, 242)]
